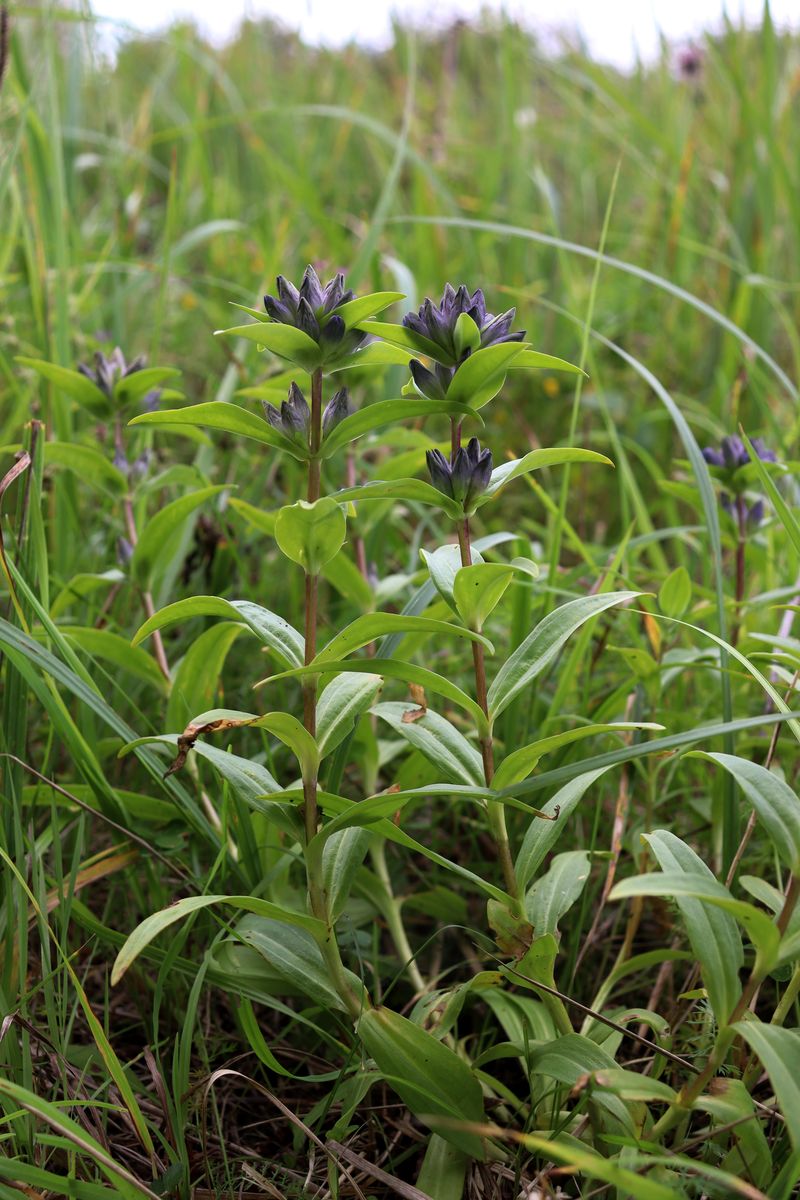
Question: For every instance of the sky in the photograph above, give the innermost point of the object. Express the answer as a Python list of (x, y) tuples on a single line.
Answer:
[(615, 30)]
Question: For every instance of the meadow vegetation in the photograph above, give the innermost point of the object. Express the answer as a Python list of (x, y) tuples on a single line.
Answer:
[(471, 765)]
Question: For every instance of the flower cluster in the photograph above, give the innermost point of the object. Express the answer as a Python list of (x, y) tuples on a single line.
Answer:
[(312, 309), (107, 372), (455, 339), (464, 476), (294, 415), (731, 456)]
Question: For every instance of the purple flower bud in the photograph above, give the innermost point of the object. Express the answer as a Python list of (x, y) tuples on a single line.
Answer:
[(295, 413), (333, 331), (272, 414), (763, 451), (311, 289), (120, 461), (151, 400), (336, 410), (426, 381), (124, 551), (755, 514), (107, 372), (440, 473), (713, 457), (306, 319), (465, 477), (312, 308), (437, 323), (141, 465), (734, 453)]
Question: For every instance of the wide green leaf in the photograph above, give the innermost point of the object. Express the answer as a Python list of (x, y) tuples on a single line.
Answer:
[(115, 649), (573, 1153), (397, 335), (481, 376), (294, 954), (556, 456), (387, 412), (542, 645), (363, 307), (554, 893), (283, 340), (428, 1076), (415, 490), (713, 934), (779, 1052), (535, 360), (342, 855), (435, 737), (230, 418), (160, 534), (366, 629), (273, 631), (341, 704), (542, 835), (197, 676), (519, 764), (775, 803), (89, 463), (478, 589), (311, 534), (75, 384), (153, 925)]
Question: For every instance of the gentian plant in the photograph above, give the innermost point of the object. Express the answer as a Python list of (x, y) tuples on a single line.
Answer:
[(458, 357)]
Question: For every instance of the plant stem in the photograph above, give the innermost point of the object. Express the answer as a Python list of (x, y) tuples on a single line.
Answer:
[(741, 525), (495, 810), (133, 538), (394, 919)]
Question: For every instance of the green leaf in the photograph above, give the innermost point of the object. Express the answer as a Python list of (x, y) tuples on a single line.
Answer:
[(675, 593), (467, 335), (573, 1154), (675, 885), (785, 514), (712, 932), (554, 893), (364, 307), (556, 456), (374, 354), (478, 589), (776, 805), (311, 534), (443, 565), (102, 643), (535, 360), (437, 739), (427, 1075), (230, 418), (443, 1171), (342, 855), (415, 490), (87, 462), (406, 339), (282, 340), (132, 388), (480, 378), (160, 535), (273, 631), (391, 668), (543, 644), (633, 1086), (197, 677), (387, 412), (730, 1103), (155, 924), (779, 1052), (341, 704), (76, 385), (295, 955), (520, 763), (367, 628), (542, 835)]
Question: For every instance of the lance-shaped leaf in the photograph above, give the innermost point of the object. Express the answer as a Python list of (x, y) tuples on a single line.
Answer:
[(520, 763), (160, 534), (675, 885), (535, 360), (282, 340), (415, 490), (230, 418), (481, 376), (391, 668), (388, 412), (443, 565), (73, 383), (130, 389), (440, 742), (543, 644), (592, 1165), (87, 462), (284, 726), (557, 456), (427, 1075), (295, 955), (311, 534), (364, 307), (342, 855), (153, 925), (405, 339), (713, 934), (776, 805), (541, 835), (554, 893), (366, 629), (779, 1052), (273, 631), (341, 704)]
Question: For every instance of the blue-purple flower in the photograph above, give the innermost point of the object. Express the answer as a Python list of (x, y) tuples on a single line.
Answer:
[(293, 417), (464, 476), (312, 308), (107, 372), (728, 460)]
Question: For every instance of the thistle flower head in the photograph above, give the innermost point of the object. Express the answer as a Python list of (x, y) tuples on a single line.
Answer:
[(439, 323), (312, 308), (107, 372), (465, 475), (293, 416)]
